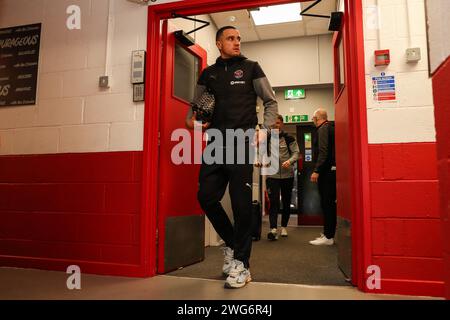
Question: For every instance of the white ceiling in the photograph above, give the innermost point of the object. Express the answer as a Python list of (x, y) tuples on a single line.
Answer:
[(309, 26)]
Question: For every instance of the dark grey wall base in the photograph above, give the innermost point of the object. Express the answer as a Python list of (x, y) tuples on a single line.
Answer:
[(184, 241), (344, 244)]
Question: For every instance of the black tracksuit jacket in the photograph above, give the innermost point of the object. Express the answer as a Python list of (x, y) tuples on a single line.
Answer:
[(236, 83)]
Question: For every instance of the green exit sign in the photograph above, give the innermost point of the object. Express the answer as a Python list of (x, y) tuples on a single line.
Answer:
[(292, 94), (296, 118)]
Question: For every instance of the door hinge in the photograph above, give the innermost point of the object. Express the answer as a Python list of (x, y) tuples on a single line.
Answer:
[(159, 138)]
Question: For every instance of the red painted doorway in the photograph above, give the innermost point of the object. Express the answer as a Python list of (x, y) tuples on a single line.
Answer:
[(180, 219), (354, 126)]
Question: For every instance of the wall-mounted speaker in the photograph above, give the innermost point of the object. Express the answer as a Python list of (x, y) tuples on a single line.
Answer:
[(336, 21)]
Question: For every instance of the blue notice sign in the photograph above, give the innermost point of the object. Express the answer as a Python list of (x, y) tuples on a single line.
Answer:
[(384, 88)]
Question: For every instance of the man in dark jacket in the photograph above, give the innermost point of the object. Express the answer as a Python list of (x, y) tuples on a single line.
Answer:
[(325, 175), (235, 82)]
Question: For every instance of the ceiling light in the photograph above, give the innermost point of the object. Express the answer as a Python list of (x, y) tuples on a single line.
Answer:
[(277, 14)]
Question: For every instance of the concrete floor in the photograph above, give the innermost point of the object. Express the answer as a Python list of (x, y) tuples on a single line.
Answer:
[(26, 284)]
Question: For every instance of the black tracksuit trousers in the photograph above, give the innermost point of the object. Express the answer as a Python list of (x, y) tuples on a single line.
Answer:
[(274, 187), (213, 181), (327, 191)]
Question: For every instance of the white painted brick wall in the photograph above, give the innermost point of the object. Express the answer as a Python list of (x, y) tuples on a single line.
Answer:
[(312, 56), (411, 117), (6, 141), (125, 134), (109, 108), (72, 113), (400, 125), (17, 117), (83, 117), (65, 111), (82, 82), (85, 138), (36, 140), (50, 85)]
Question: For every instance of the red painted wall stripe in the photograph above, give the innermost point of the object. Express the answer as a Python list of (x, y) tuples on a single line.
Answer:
[(407, 242), (405, 199), (411, 287), (80, 208), (76, 167), (401, 237), (410, 268), (407, 161)]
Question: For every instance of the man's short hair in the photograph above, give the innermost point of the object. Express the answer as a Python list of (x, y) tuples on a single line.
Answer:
[(280, 117), (221, 30)]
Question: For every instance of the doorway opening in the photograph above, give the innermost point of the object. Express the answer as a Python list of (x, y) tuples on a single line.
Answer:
[(354, 206)]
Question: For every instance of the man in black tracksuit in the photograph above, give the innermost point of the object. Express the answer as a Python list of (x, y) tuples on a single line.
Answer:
[(325, 175), (236, 82)]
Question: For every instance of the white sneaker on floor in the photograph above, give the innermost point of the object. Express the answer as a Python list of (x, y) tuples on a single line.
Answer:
[(321, 236), (239, 276), (272, 235), (228, 260), (323, 241), (284, 232)]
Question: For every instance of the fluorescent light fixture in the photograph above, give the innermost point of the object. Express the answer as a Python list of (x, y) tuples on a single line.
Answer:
[(277, 14)]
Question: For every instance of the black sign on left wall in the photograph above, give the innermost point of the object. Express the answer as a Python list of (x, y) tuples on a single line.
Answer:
[(19, 60)]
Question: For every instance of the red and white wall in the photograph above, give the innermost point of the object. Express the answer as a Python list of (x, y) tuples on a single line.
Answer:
[(70, 166), (407, 242)]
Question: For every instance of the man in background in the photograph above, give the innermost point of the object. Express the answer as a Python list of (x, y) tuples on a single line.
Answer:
[(325, 175), (282, 181)]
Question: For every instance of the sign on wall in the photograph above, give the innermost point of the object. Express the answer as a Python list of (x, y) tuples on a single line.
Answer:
[(19, 59), (292, 94), (384, 87), (296, 118)]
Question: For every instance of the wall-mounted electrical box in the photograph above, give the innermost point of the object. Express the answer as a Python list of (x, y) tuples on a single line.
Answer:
[(103, 82), (413, 55), (382, 58), (138, 75), (138, 67)]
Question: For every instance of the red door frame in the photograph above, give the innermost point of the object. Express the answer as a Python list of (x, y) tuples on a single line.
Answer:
[(360, 187), (356, 85), (168, 121)]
